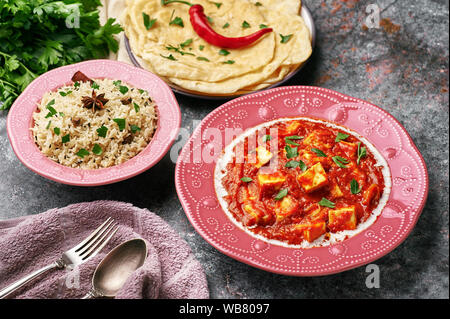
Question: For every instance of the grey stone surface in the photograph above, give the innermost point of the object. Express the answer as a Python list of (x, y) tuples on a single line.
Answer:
[(402, 67)]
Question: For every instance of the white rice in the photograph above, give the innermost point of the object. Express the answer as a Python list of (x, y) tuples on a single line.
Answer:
[(69, 109)]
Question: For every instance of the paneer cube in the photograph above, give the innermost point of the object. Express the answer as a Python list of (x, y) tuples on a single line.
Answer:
[(317, 213), (342, 219), (286, 207), (313, 178), (270, 183), (255, 215), (318, 139), (350, 149), (292, 128), (312, 231), (336, 191), (263, 156), (371, 194)]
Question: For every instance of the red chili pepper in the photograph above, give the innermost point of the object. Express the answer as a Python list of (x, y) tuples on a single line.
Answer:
[(201, 26)]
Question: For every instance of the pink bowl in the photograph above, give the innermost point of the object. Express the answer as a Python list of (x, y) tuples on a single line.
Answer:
[(195, 185), (20, 121)]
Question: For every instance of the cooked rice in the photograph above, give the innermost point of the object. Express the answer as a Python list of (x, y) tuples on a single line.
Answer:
[(70, 109)]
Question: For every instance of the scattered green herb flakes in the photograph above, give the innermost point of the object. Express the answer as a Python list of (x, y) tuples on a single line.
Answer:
[(48, 125), (76, 84), (101, 131), (210, 20), (224, 52), (341, 137), (228, 62), (226, 25), (281, 194), (292, 164), (123, 89), (362, 152), (245, 25), (148, 23), (97, 149), (291, 151), (202, 58), (65, 138), (117, 82), (95, 86), (354, 187), (136, 107), (246, 179), (177, 49), (120, 123), (263, 26), (201, 47), (177, 21), (326, 203), (51, 110), (318, 152), (169, 57), (57, 130), (303, 166), (141, 91), (266, 138), (289, 139), (285, 38), (82, 153), (258, 4), (62, 93), (218, 4), (61, 114), (134, 128), (340, 161), (185, 43)]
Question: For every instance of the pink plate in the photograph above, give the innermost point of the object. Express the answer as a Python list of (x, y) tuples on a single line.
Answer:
[(20, 120), (195, 184)]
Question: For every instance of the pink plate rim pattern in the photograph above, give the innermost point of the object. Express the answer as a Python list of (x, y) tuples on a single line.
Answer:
[(19, 122), (195, 184)]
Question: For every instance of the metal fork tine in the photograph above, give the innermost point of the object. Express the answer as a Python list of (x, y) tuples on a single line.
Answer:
[(101, 243), (85, 241), (92, 242)]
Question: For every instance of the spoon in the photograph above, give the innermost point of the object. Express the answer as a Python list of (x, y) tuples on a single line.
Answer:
[(113, 271)]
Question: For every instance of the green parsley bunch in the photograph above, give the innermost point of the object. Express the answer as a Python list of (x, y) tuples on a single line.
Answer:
[(39, 35)]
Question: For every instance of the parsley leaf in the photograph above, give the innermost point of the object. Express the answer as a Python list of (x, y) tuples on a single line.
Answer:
[(120, 123), (224, 52), (246, 179), (245, 25), (281, 194), (226, 25), (263, 26), (136, 107), (148, 23), (291, 152), (169, 57), (123, 89), (201, 58), (319, 152), (340, 137), (101, 131), (185, 43), (177, 21), (340, 161), (362, 152), (95, 86), (82, 153), (57, 130), (134, 128), (97, 149), (326, 203), (228, 62), (285, 38), (354, 187), (65, 138)]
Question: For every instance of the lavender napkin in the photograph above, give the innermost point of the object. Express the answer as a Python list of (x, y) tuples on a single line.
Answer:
[(28, 243)]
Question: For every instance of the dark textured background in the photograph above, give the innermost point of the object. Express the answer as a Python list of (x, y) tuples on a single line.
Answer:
[(402, 67)]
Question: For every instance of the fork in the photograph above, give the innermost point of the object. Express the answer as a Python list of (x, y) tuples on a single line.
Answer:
[(79, 254)]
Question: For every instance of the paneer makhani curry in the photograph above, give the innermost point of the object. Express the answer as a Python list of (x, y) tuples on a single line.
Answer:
[(300, 180)]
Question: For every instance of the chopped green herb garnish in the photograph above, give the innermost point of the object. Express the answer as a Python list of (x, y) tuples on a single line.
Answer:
[(176, 49), (246, 179), (97, 149), (51, 110), (202, 58), (201, 47), (148, 23), (291, 142), (169, 57), (177, 21), (48, 125), (62, 93), (76, 84), (134, 128), (57, 130), (292, 164), (65, 138), (340, 137), (82, 153), (258, 4), (326, 203), (340, 161), (226, 25), (228, 62), (136, 107), (50, 103), (319, 152), (61, 114), (266, 138), (117, 82), (303, 166), (245, 25), (282, 193), (101, 131), (210, 20), (123, 89), (285, 38), (95, 86), (291, 151), (141, 91), (263, 26), (354, 187), (120, 123), (218, 4), (362, 152), (185, 43), (224, 52), (288, 139)]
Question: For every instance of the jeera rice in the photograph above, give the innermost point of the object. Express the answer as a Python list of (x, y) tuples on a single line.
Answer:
[(72, 131)]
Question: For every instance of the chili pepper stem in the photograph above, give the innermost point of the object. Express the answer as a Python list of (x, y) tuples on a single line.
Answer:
[(164, 2)]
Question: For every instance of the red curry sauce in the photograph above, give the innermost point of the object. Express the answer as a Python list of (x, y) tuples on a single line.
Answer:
[(305, 181)]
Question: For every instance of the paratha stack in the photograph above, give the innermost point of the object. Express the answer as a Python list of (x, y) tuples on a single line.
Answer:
[(175, 52)]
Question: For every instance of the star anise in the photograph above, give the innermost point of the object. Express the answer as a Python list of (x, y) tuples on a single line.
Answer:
[(94, 101)]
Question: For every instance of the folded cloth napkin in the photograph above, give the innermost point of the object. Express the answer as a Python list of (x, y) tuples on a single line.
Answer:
[(28, 243)]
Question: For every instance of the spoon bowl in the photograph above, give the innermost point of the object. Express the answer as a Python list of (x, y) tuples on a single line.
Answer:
[(113, 271)]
